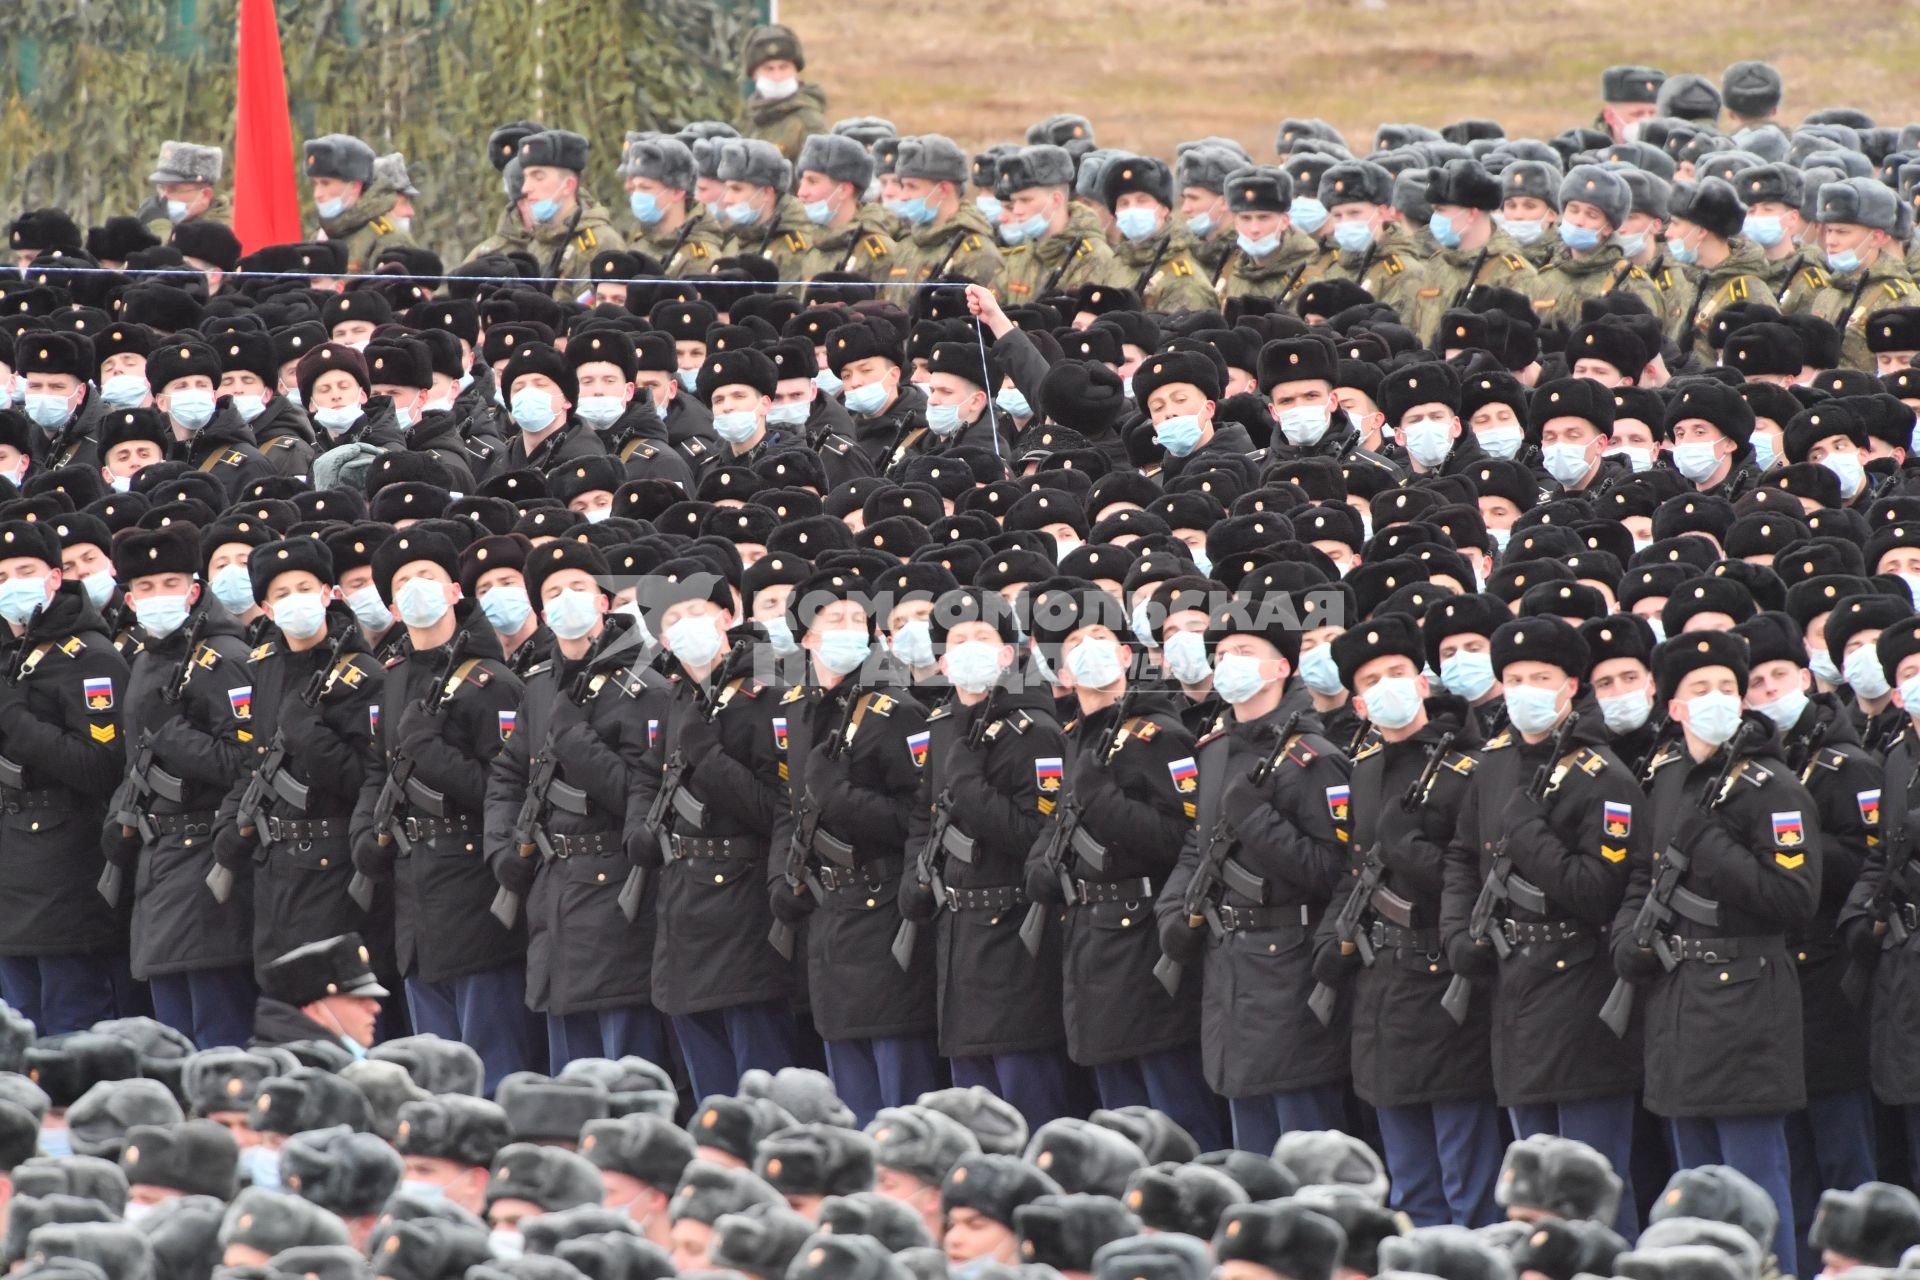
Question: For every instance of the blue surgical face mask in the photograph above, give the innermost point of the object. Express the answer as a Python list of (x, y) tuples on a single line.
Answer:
[(1713, 717), (1501, 441), (1820, 662), (917, 212), (1236, 678), (1524, 230), (1320, 672), (1257, 248), (421, 1189), (1353, 237), (177, 210), (571, 613), (368, 609), (1765, 231), (792, 414), (1304, 424), (1136, 223), (233, 588), (1785, 710), (261, 1167), (1011, 401), (601, 411), (124, 390), (1428, 443), (330, 208), (1579, 239), (1393, 703), (736, 427), (1178, 436), (780, 636), (1764, 454), (1625, 712), (1853, 476), (506, 608), (47, 410), (1467, 674), (695, 641), (988, 206), (943, 419), (1441, 227), (99, 589), (1566, 463), (532, 410), (1844, 261), (1862, 668), (1307, 214), (1186, 657), (740, 213), (544, 210), (1201, 225), (421, 602), (913, 643), (191, 409), (1533, 710), (828, 381), (1683, 253), (819, 212), (646, 207), (338, 418), (842, 652), (1095, 664), (249, 407), (1034, 228), (689, 379), (19, 597), (160, 616), (973, 666), (1632, 245), (1696, 459), (1202, 562), (865, 399), (301, 615)]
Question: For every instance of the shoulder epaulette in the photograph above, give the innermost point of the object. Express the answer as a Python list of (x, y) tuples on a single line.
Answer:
[(1070, 725), (1753, 773), (1588, 761), (1393, 264), (394, 661), (695, 448), (1500, 740), (540, 668), (1209, 736), (942, 712), (972, 244), (834, 444), (1896, 289), (379, 226), (875, 249), (1667, 756), (72, 646), (1738, 290), (695, 249), (1141, 727), (1461, 763), (281, 442), (205, 656), (1084, 248), (1020, 722), (1300, 751), (1830, 758), (1514, 261), (586, 240), (1371, 749), (879, 704), (1180, 267), (1815, 277), (747, 687), (261, 651), (796, 243), (793, 695)]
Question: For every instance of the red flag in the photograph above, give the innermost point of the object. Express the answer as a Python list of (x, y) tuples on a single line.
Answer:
[(266, 209)]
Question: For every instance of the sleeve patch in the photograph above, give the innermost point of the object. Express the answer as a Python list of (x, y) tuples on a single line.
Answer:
[(653, 732), (1869, 802), (373, 718), (102, 733), (98, 692), (1047, 773), (241, 700), (1613, 853), (1185, 774), (1788, 831), (1790, 861), (916, 748), (1616, 819), (1337, 799), (509, 720)]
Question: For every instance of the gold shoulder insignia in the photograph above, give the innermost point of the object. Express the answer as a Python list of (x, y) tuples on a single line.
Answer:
[(1462, 763), (1514, 261), (696, 250), (1543, 304), (1393, 264), (205, 656), (261, 651), (1894, 289), (379, 226), (1737, 289), (1816, 277), (875, 249), (1589, 762), (942, 712), (1209, 736), (1180, 267), (1142, 728), (793, 695), (72, 646), (1371, 749), (796, 243), (972, 244), (1500, 740)]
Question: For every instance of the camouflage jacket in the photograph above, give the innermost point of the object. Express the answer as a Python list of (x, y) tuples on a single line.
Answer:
[(688, 249), (786, 239), (786, 122), (1165, 273), (1850, 301), (1450, 273), (367, 227), (963, 245), (565, 248), (1058, 263), (1280, 274), (1739, 279), (1568, 281)]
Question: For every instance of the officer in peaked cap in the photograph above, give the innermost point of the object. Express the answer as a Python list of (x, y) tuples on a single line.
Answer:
[(324, 990)]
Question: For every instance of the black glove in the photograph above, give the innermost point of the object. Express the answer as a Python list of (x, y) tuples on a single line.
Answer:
[(790, 905), (1042, 884), (1470, 959), (230, 848), (372, 861), (119, 846), (1180, 943), (1333, 963), (1635, 964), (1862, 938), (916, 899)]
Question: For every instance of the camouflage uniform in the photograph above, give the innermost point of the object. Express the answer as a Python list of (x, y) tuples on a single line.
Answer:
[(688, 250), (220, 210), (565, 248), (1281, 274), (509, 236), (367, 226), (852, 248), (1780, 276), (1061, 262), (786, 122), (1737, 280), (1568, 281), (1450, 273), (786, 239), (1392, 277), (1850, 301), (1675, 285), (1165, 272), (962, 245)]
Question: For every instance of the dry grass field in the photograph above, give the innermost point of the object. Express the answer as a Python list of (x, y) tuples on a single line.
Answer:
[(1151, 73)]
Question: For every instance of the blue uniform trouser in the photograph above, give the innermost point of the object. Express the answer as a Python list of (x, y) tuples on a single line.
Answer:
[(884, 1071), (211, 1007), (608, 1033), (1172, 1081), (720, 1044), (1443, 1159), (1830, 1145), (1606, 1125), (1035, 1083), (487, 1012), (59, 993), (1259, 1121), (1757, 1147)]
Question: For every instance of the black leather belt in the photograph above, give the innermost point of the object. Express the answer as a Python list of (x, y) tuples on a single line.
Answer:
[(460, 824), (1525, 933), (590, 845), (48, 798), (1089, 892), (1710, 950), (874, 873), (1234, 919), (304, 831), (186, 824), (1424, 940), (685, 847), (997, 897)]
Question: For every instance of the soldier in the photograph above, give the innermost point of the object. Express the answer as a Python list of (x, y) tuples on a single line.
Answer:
[(1045, 254), (1593, 202), (1544, 839), (1297, 376), (979, 1200), (189, 714), (493, 575), (605, 369), (958, 413), (539, 386), (1458, 632), (61, 755), (1200, 175), (511, 234), (867, 358), (324, 991), (1166, 276), (185, 181), (449, 704), (1774, 194), (1572, 418), (1864, 271), (998, 776), (336, 388), (1732, 268), (208, 435), (1357, 195), (1426, 1075), (946, 235), (355, 206), (783, 109), (715, 780), (1270, 257), (1628, 97), (1473, 249), (758, 215), (55, 375), (671, 227), (834, 172), (1286, 1239), (569, 227), (657, 371), (1258, 869), (1723, 800), (250, 375), (1422, 405)]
